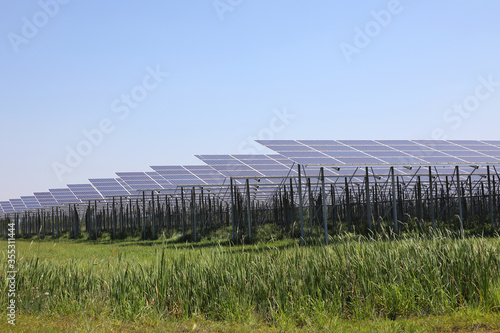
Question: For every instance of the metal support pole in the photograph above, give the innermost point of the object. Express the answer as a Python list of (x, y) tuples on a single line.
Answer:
[(193, 204), (95, 218), (52, 224), (144, 214), (311, 206), (183, 217), (114, 219), (332, 191), (431, 198), (249, 211), (232, 209), (121, 215), (348, 205), (419, 201), (301, 212), (368, 204), (152, 212), (202, 212), (459, 195), (323, 197), (394, 202), (490, 201)]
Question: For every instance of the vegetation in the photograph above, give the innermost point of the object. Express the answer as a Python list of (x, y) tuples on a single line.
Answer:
[(273, 285)]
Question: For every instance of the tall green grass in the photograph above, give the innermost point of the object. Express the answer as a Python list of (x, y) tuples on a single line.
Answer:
[(354, 277)]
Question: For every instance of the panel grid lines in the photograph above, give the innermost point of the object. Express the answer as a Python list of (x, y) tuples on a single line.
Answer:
[(388, 152)]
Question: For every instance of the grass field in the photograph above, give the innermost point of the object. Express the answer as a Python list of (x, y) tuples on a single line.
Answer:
[(412, 283)]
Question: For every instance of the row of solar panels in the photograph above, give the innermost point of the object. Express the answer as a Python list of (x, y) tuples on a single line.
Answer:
[(348, 155), (387, 152), (163, 177)]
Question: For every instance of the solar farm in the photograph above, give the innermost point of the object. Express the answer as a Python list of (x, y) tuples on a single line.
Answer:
[(320, 235), (308, 188)]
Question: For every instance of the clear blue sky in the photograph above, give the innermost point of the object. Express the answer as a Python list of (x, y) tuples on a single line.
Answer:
[(231, 69)]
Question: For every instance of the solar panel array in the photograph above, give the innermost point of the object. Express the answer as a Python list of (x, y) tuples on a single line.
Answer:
[(229, 166), (31, 202), (386, 152), (46, 199), (125, 185), (6, 206), (255, 167), (178, 175), (64, 195), (85, 192), (341, 157), (160, 180), (206, 173), (109, 186), (17, 204), (138, 180)]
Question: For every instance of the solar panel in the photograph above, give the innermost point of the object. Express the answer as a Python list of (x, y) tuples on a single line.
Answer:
[(125, 185), (281, 142), (108, 186), (31, 202), (178, 175), (17, 204), (206, 173), (359, 160), (359, 142), (64, 195), (6, 207), (45, 199), (160, 180), (85, 191), (138, 180), (254, 167), (386, 152)]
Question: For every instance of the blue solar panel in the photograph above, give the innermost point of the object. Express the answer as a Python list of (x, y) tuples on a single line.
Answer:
[(359, 142), (164, 183), (279, 142), (138, 180), (64, 195), (390, 152), (320, 142), (353, 153), (402, 160), (179, 175), (46, 199), (250, 157), (85, 191), (360, 160), (124, 185), (295, 154), (17, 204), (206, 173), (170, 168), (31, 202), (372, 149), (429, 153), (6, 207), (108, 186)]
